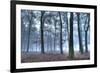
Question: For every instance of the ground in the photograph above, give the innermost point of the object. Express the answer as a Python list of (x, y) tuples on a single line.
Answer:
[(34, 57)]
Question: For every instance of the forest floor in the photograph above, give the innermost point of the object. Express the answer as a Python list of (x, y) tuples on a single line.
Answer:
[(33, 57)]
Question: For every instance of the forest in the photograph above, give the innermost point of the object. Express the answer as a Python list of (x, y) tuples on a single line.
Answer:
[(54, 36)]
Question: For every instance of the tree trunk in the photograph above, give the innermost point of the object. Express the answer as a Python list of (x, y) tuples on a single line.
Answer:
[(50, 41), (86, 32), (42, 38), (55, 37), (86, 47), (30, 23), (79, 34), (61, 48), (68, 31), (71, 49)]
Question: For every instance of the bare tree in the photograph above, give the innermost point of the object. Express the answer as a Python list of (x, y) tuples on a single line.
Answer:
[(42, 38), (55, 35), (61, 49), (71, 48), (30, 23), (79, 33), (86, 29)]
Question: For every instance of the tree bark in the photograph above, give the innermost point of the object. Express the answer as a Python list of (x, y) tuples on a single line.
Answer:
[(42, 38), (71, 49), (86, 32), (79, 34), (55, 36), (30, 23), (61, 48), (86, 47)]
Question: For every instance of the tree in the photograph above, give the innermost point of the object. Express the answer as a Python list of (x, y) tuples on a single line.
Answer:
[(68, 28), (79, 33), (48, 31), (55, 34), (71, 48), (30, 23), (42, 38), (22, 32), (61, 50), (86, 29)]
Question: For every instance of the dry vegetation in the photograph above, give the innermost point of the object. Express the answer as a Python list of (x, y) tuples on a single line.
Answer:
[(33, 57)]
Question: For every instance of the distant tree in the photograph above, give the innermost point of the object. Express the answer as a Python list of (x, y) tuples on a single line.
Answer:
[(22, 32), (68, 28), (79, 33), (71, 48), (30, 23), (48, 31), (64, 29), (55, 21)]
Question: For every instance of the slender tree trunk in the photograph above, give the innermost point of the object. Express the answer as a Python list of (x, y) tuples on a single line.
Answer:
[(68, 31), (61, 48), (22, 35), (79, 34), (55, 38), (42, 38), (86, 47), (86, 32), (71, 49), (47, 41), (50, 42), (36, 45), (30, 23)]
